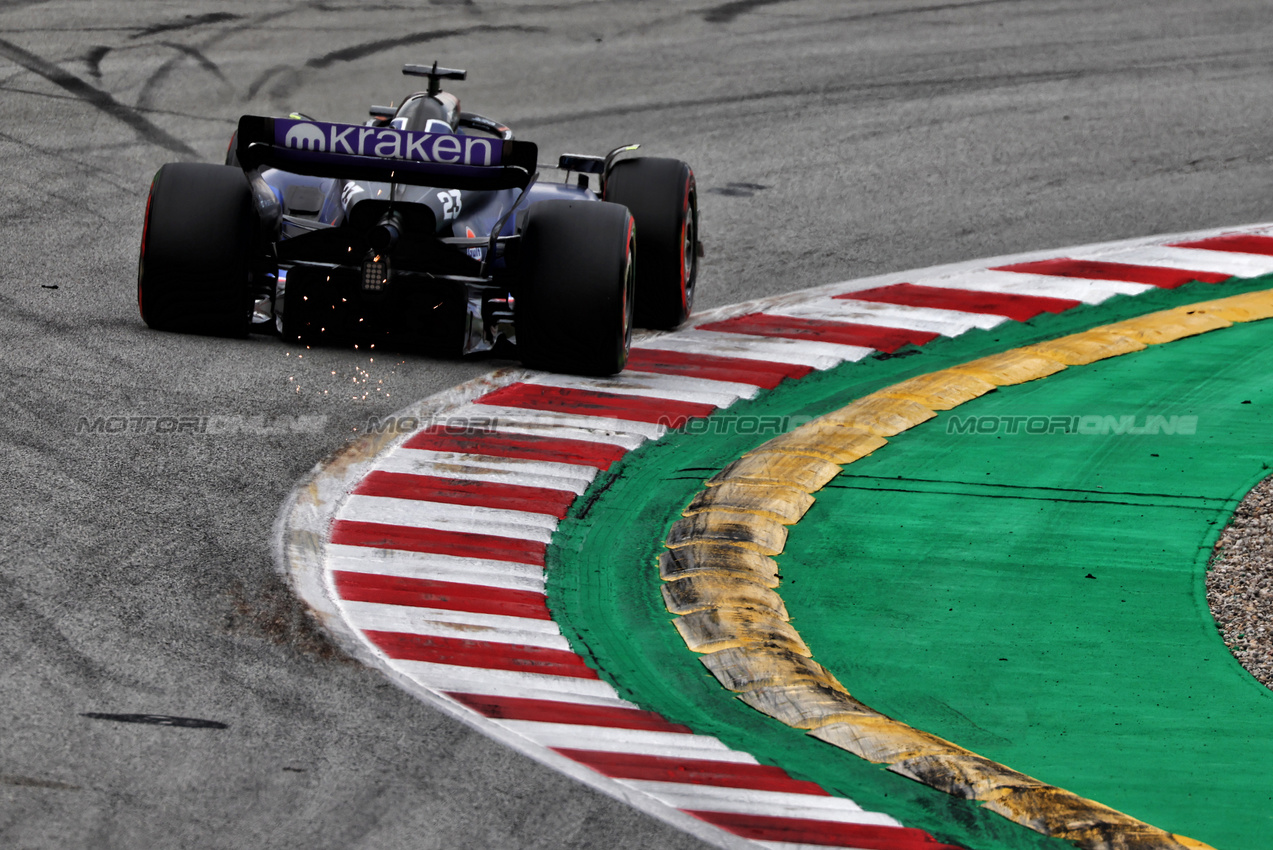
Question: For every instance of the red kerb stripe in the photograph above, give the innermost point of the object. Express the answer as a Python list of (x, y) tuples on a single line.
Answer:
[(759, 373), (459, 543), (551, 711), (453, 491), (428, 593), (1099, 270), (672, 414), (1019, 307), (808, 831), (759, 777), (1235, 243), (476, 653), (844, 333), (442, 438)]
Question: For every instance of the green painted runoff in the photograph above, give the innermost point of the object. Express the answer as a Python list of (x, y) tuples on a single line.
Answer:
[(875, 604), (1039, 597)]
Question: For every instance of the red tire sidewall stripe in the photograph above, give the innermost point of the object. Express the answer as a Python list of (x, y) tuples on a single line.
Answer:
[(145, 230), (685, 206)]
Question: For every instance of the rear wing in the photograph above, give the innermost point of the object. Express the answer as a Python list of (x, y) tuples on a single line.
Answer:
[(384, 154)]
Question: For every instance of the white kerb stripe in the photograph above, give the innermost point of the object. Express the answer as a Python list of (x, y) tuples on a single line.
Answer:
[(1193, 259), (637, 432), (487, 467), (741, 796), (507, 575), (655, 386), (1046, 286), (789, 845), (514, 692), (930, 319), (714, 798), (502, 474), (444, 622), (442, 517), (802, 352), (396, 507), (478, 416), (452, 677), (607, 739)]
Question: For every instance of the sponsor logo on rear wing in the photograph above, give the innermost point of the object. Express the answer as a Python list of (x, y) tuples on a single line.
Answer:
[(387, 143), (384, 154)]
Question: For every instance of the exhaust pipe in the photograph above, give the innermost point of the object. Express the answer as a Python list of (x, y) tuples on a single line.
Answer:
[(386, 232)]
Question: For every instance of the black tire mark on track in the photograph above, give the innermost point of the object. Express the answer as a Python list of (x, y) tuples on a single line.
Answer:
[(12, 5), (158, 720), (727, 12), (149, 110), (94, 59), (161, 74), (738, 190), (197, 55), (370, 48), (91, 169), (184, 51), (189, 22), (905, 89), (919, 10), (42, 632), (31, 782), (97, 98), (39, 187), (264, 77)]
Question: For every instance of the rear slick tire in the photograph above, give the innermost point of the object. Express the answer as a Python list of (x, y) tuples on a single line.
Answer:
[(194, 271), (663, 199), (573, 303)]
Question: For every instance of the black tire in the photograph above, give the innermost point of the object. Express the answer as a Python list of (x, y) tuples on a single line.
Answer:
[(573, 302), (194, 273), (662, 197)]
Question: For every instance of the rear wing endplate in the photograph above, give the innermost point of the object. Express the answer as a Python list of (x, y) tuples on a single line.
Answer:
[(384, 154)]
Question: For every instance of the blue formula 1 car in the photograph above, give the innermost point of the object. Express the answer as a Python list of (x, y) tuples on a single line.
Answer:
[(426, 227)]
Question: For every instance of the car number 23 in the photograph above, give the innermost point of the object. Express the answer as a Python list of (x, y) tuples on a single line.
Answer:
[(451, 204)]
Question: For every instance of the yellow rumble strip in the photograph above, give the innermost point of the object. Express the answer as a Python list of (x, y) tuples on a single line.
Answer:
[(719, 576)]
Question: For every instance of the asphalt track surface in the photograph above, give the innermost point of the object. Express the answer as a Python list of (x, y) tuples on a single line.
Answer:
[(830, 140)]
